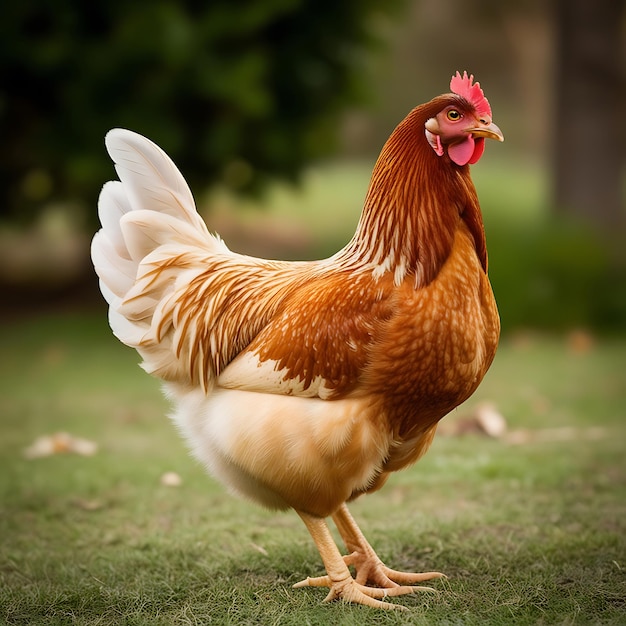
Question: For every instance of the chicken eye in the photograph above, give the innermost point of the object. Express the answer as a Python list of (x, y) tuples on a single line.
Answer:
[(453, 115)]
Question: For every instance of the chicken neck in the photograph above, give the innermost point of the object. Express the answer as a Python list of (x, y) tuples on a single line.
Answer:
[(414, 205)]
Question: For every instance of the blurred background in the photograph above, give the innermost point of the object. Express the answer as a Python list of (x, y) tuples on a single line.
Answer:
[(275, 112)]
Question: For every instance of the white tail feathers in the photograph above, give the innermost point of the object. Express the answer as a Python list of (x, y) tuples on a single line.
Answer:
[(150, 179), (176, 293), (148, 216)]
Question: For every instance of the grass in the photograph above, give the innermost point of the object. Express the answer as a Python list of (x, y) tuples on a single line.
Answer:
[(528, 534)]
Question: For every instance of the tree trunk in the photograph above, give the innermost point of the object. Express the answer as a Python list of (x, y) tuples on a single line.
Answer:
[(589, 111)]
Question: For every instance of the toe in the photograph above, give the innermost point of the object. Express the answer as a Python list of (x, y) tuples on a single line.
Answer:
[(408, 578)]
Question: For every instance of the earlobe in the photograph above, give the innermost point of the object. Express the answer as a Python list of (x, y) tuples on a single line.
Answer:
[(434, 141)]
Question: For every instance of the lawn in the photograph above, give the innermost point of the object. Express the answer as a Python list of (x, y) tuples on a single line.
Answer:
[(529, 528)]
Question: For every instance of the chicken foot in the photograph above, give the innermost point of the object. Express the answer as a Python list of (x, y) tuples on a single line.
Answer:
[(339, 579), (367, 564)]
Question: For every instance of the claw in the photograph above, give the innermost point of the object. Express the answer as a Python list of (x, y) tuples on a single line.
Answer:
[(409, 577), (320, 581), (369, 568), (350, 591)]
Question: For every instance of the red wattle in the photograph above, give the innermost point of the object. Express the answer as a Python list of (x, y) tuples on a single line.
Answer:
[(479, 148), (462, 152)]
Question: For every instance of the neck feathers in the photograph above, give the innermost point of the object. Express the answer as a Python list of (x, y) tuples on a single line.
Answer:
[(414, 204)]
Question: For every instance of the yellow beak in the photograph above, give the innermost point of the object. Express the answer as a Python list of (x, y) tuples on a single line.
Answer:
[(489, 131)]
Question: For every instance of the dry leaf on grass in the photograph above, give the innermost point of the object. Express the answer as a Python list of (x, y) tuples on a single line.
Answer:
[(171, 479), (60, 443), (484, 419)]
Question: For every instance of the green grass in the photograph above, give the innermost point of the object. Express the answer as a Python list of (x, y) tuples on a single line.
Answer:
[(528, 534)]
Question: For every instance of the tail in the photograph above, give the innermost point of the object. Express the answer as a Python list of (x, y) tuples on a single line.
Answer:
[(151, 236)]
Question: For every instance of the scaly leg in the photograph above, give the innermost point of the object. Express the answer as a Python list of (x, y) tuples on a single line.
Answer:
[(338, 578), (368, 567)]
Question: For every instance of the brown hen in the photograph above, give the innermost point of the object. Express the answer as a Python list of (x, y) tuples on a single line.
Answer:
[(304, 384)]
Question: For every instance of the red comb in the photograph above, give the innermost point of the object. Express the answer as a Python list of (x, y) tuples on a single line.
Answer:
[(464, 86)]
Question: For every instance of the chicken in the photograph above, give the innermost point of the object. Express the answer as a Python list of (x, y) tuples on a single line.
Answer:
[(305, 384)]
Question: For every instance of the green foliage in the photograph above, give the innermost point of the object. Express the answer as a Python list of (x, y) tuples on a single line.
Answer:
[(235, 90), (547, 271), (557, 275)]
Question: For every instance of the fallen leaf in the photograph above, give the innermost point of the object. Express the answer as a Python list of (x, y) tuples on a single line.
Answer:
[(60, 443), (484, 419), (489, 420), (171, 479)]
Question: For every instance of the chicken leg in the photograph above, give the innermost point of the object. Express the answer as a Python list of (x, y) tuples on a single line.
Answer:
[(367, 565), (366, 562)]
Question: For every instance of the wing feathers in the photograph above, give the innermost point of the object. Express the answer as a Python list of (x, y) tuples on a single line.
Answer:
[(182, 299)]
